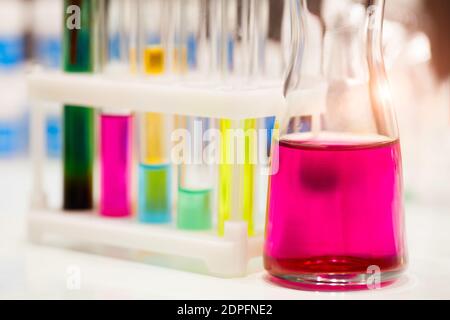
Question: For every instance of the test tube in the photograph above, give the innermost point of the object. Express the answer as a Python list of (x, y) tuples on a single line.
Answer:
[(116, 126), (195, 178), (116, 156), (252, 68), (155, 172), (154, 17), (260, 26), (236, 180), (78, 121), (195, 183)]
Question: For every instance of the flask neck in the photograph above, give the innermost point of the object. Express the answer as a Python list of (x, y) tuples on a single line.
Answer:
[(352, 41), (344, 55)]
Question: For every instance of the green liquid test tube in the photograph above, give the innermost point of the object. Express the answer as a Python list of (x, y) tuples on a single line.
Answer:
[(78, 135), (195, 183), (195, 201), (194, 209)]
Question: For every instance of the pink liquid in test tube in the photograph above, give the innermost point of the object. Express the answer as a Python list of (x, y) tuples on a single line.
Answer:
[(335, 210), (116, 158)]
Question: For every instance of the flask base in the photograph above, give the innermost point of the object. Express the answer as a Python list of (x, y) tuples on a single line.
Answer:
[(336, 282), (335, 273)]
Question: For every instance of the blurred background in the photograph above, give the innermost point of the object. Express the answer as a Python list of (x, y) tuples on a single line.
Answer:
[(416, 49)]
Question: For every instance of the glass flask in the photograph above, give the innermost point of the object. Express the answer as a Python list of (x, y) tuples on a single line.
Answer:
[(335, 205)]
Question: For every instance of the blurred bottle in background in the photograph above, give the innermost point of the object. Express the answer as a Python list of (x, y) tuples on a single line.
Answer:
[(438, 14), (45, 51), (13, 108), (407, 56), (14, 111), (47, 24), (435, 111), (415, 42)]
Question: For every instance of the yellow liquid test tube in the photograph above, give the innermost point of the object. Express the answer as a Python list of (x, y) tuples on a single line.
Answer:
[(155, 199), (154, 130), (227, 179), (154, 64), (154, 60), (225, 176), (247, 178)]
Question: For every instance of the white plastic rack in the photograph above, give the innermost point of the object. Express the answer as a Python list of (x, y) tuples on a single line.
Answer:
[(226, 256)]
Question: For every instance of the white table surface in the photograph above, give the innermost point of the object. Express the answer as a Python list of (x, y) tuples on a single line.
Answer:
[(40, 272)]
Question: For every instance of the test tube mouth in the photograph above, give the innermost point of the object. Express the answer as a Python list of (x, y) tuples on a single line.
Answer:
[(116, 112)]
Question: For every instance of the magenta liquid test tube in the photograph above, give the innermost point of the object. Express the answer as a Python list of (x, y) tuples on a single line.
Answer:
[(116, 126), (116, 165)]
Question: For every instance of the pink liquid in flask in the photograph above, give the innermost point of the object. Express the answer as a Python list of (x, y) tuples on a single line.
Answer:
[(335, 211), (116, 156)]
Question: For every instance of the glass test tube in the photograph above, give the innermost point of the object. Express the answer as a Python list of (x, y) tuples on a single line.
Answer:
[(195, 180), (224, 15), (116, 156), (155, 172), (116, 136), (154, 15), (235, 203), (261, 69), (195, 186), (78, 155)]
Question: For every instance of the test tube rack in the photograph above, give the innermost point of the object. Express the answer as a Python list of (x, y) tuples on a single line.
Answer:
[(226, 256)]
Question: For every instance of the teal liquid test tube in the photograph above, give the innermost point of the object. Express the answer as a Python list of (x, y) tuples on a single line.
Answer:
[(195, 181), (78, 121)]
